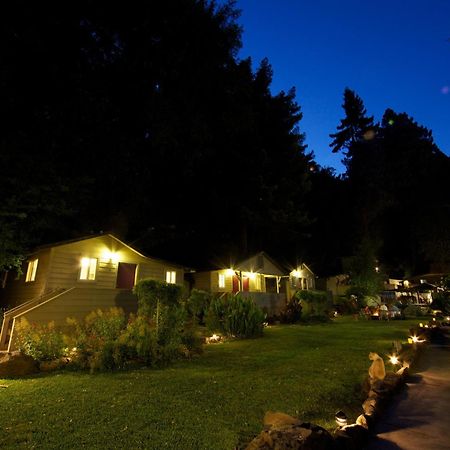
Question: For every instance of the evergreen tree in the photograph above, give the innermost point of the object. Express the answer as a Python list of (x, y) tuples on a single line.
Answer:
[(355, 127)]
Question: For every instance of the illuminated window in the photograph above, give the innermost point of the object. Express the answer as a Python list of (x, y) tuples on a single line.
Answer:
[(88, 268), (31, 271), (258, 282), (221, 280), (171, 277)]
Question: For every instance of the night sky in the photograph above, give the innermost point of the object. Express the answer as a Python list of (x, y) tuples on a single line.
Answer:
[(392, 53)]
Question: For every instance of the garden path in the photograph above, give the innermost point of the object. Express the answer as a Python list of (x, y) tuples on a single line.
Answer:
[(418, 418)]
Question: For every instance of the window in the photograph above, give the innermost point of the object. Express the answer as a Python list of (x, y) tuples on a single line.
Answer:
[(171, 277), (31, 271), (258, 282), (88, 268), (221, 280)]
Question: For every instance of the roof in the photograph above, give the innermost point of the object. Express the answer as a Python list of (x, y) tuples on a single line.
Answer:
[(94, 236), (250, 264)]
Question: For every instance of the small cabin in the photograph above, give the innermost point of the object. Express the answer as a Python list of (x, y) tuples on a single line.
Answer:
[(269, 283), (73, 278)]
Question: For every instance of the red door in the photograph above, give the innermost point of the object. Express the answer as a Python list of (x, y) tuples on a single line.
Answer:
[(245, 284), (126, 274), (235, 284)]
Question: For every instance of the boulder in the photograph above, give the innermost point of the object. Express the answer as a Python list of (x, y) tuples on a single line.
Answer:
[(351, 437), (55, 364), (370, 406), (286, 432), (16, 364)]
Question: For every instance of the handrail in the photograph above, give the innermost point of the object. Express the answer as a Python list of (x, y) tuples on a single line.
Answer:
[(37, 300)]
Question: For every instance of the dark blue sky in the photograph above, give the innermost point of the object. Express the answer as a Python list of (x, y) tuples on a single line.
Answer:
[(392, 53)]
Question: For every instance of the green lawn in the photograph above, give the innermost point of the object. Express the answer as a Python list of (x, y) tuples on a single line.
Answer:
[(216, 401)]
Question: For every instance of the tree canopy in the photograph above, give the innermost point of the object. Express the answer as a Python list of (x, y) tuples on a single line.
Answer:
[(144, 122)]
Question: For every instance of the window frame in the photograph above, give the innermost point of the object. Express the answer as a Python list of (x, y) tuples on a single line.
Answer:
[(171, 276), (31, 270), (88, 272), (221, 280)]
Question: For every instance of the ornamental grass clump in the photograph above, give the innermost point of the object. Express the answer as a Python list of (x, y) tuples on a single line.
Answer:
[(235, 316)]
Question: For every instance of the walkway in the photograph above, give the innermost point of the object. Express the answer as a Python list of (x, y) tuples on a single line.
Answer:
[(419, 417)]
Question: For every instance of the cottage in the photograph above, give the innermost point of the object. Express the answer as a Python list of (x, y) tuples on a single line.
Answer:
[(269, 283), (73, 278)]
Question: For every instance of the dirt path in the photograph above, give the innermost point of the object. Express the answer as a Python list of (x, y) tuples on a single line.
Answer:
[(419, 417)]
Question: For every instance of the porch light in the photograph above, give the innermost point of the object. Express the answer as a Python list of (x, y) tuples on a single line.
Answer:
[(252, 275), (229, 272), (296, 273), (108, 255)]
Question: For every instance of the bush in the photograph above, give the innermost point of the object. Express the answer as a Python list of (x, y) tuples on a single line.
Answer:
[(315, 304), (141, 340), (292, 312), (197, 305), (41, 342), (192, 340), (235, 316), (346, 305), (413, 311), (153, 294), (441, 301), (95, 338)]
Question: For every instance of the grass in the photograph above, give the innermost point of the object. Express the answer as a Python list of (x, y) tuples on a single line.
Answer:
[(214, 402)]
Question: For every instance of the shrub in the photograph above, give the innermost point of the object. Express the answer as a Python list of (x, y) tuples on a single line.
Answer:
[(95, 338), (197, 305), (192, 340), (235, 316), (42, 342), (441, 301), (315, 304), (414, 311), (141, 340), (292, 312), (346, 305), (153, 294)]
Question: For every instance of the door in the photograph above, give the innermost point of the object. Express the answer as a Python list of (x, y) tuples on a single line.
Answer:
[(126, 275), (235, 284), (245, 284)]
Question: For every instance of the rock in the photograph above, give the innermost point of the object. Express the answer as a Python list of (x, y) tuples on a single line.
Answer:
[(369, 406), (286, 432), (16, 364), (392, 381), (55, 364), (362, 421), (351, 437)]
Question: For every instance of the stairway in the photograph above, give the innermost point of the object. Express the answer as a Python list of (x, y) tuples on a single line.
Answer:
[(10, 315)]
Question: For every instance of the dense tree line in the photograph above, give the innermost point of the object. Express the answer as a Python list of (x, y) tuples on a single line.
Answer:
[(143, 121)]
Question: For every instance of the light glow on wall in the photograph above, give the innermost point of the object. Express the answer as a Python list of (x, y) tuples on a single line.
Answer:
[(108, 255)]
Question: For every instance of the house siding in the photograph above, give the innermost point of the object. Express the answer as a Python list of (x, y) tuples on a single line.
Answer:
[(20, 291)]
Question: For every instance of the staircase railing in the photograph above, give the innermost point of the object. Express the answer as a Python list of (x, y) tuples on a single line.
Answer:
[(10, 315)]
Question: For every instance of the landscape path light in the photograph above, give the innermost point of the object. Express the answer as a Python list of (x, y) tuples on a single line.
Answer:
[(341, 418)]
